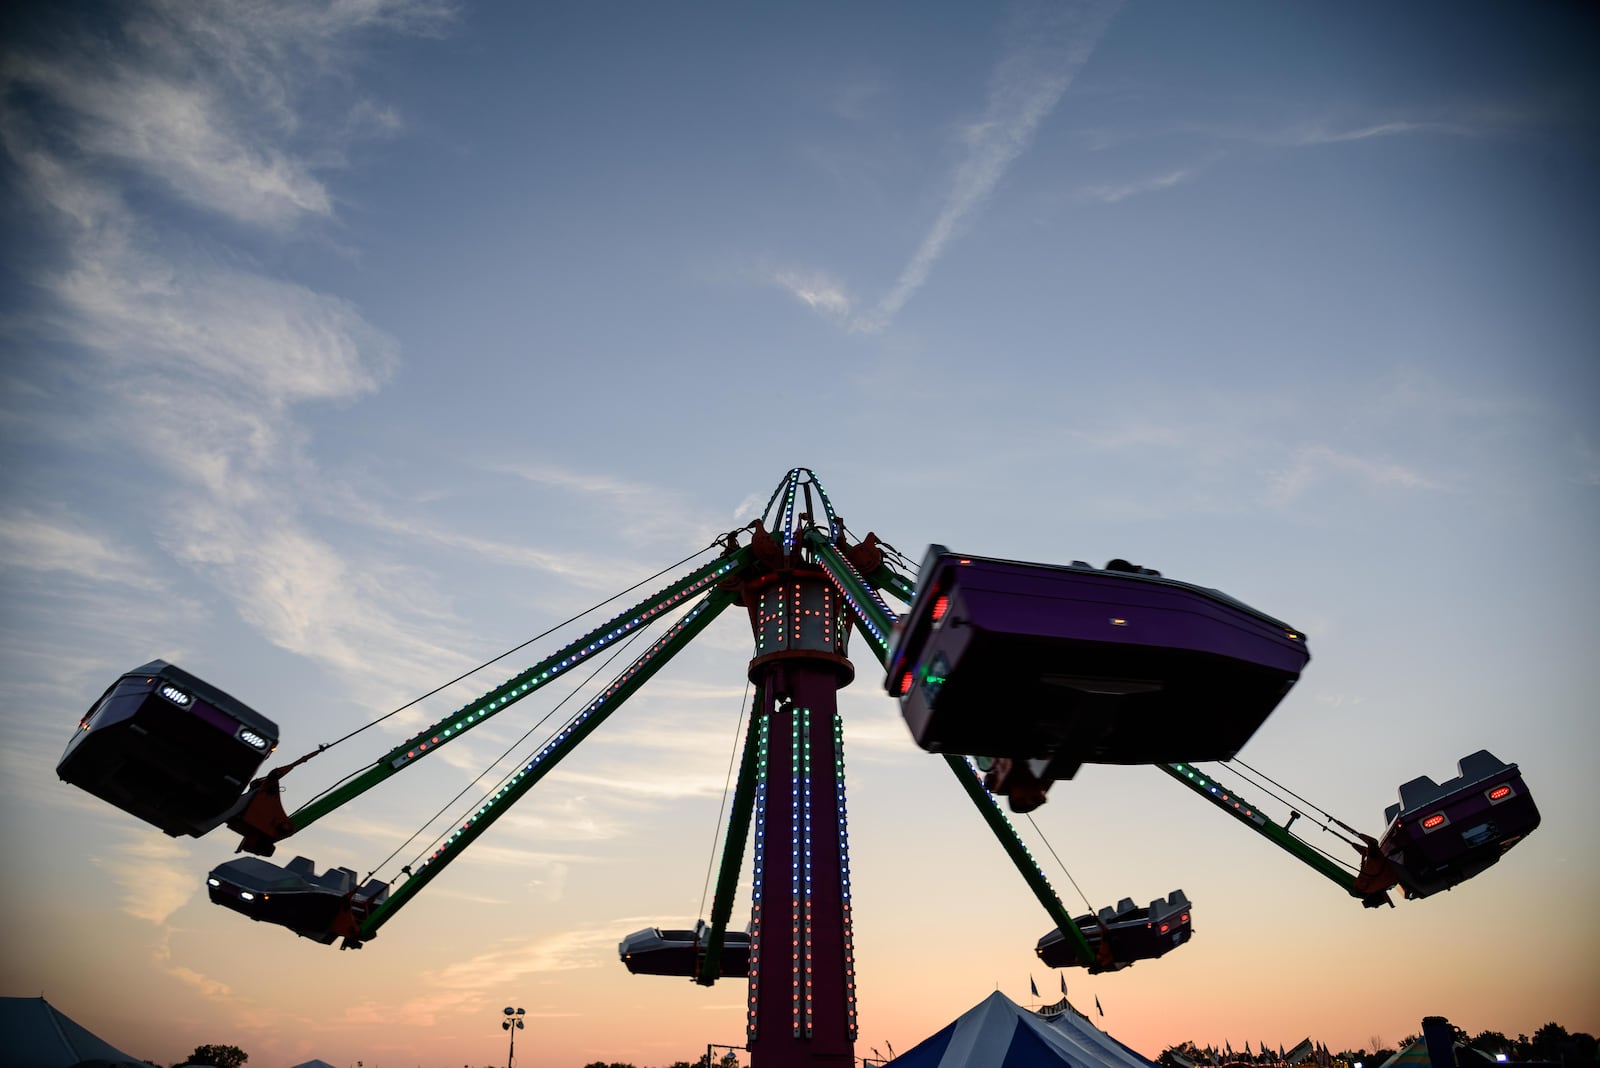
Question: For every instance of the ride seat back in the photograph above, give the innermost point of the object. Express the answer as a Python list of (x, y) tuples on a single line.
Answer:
[(303, 867), (1418, 792), (1478, 766), (1126, 906)]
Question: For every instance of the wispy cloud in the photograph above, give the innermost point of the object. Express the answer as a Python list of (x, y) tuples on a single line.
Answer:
[(1025, 88), (187, 355), (153, 875), (1321, 133), (817, 291), (1111, 194), (1312, 464), (38, 543)]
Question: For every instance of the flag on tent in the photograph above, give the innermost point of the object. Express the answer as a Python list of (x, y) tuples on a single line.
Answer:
[(1280, 1051), (1063, 986), (1247, 1052), (1097, 1005), (1229, 1047), (1033, 986)]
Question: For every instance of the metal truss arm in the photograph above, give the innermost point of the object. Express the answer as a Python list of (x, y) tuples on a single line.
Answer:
[(872, 617), (1019, 854), (580, 727), (1231, 803), (521, 685), (744, 799)]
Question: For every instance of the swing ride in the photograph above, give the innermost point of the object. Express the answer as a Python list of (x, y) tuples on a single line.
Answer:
[(1015, 673)]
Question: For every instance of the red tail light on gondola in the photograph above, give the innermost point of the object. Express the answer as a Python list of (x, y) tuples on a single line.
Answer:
[(1500, 793), (1434, 822), (941, 605)]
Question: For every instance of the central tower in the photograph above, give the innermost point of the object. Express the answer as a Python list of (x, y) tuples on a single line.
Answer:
[(802, 995)]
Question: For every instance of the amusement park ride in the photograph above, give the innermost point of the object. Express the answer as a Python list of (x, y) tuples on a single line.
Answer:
[(1015, 673)]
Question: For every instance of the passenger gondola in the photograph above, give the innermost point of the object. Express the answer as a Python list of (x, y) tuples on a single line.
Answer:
[(654, 951), (1441, 834), (1123, 935), (168, 748), (1075, 664), (319, 907)]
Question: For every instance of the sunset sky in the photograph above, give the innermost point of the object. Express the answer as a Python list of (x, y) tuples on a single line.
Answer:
[(347, 344)]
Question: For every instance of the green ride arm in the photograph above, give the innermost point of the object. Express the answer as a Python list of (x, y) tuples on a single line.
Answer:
[(1247, 814), (872, 617), (1002, 829), (580, 727), (894, 582), (744, 800), (1019, 854), (521, 685)]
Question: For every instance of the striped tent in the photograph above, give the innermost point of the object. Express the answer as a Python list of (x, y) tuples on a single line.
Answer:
[(999, 1033)]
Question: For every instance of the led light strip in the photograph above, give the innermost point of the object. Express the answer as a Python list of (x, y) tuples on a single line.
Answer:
[(803, 735), (482, 709), (762, 749), (573, 724), (855, 604), (844, 877), (1220, 794)]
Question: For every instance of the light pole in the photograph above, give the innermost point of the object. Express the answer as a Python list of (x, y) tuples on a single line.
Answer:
[(512, 1023)]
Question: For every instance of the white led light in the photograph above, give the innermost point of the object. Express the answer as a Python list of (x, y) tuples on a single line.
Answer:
[(252, 739), (176, 696), (245, 895)]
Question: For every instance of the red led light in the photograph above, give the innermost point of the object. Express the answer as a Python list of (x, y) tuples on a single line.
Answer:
[(1500, 793), (1433, 822), (1165, 928), (905, 683)]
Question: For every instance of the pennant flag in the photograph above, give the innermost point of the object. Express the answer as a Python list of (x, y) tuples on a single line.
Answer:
[(1229, 1047), (1033, 986), (1097, 1004), (1280, 1051), (1063, 986), (1247, 1052)]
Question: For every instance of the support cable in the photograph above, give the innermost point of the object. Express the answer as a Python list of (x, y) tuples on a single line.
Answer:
[(1295, 813), (508, 751), (1064, 871), (727, 786), (437, 689), (1309, 804)]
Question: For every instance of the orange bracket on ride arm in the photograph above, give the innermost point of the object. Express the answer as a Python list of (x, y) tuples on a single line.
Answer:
[(259, 816)]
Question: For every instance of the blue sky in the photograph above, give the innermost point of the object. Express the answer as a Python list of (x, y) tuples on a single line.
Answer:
[(348, 344)]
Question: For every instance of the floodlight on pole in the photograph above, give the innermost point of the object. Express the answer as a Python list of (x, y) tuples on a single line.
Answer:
[(512, 1023)]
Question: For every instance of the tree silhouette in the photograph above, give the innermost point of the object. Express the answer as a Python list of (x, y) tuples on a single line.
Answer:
[(218, 1056)]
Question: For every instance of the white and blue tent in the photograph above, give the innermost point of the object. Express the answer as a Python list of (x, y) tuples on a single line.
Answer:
[(999, 1033)]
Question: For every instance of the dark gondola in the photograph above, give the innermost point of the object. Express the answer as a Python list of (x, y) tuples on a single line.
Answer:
[(168, 748), (1127, 933), (1073, 664), (319, 907), (1442, 834), (654, 951)]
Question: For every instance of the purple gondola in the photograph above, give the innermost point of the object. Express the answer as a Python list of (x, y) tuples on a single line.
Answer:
[(1127, 932), (654, 951), (1076, 664), (1442, 834), (318, 907), (168, 748)]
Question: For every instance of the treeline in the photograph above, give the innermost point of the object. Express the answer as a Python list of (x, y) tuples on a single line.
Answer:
[(1552, 1042)]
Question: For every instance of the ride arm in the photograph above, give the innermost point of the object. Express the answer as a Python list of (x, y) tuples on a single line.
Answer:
[(744, 799), (1231, 803), (579, 728), (521, 685), (874, 621)]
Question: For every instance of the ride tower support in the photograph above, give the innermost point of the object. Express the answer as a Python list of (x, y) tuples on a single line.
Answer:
[(802, 996)]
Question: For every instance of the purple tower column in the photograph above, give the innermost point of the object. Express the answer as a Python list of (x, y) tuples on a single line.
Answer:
[(802, 998)]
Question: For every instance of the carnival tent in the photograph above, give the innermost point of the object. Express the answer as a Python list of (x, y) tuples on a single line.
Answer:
[(999, 1033), (36, 1034)]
